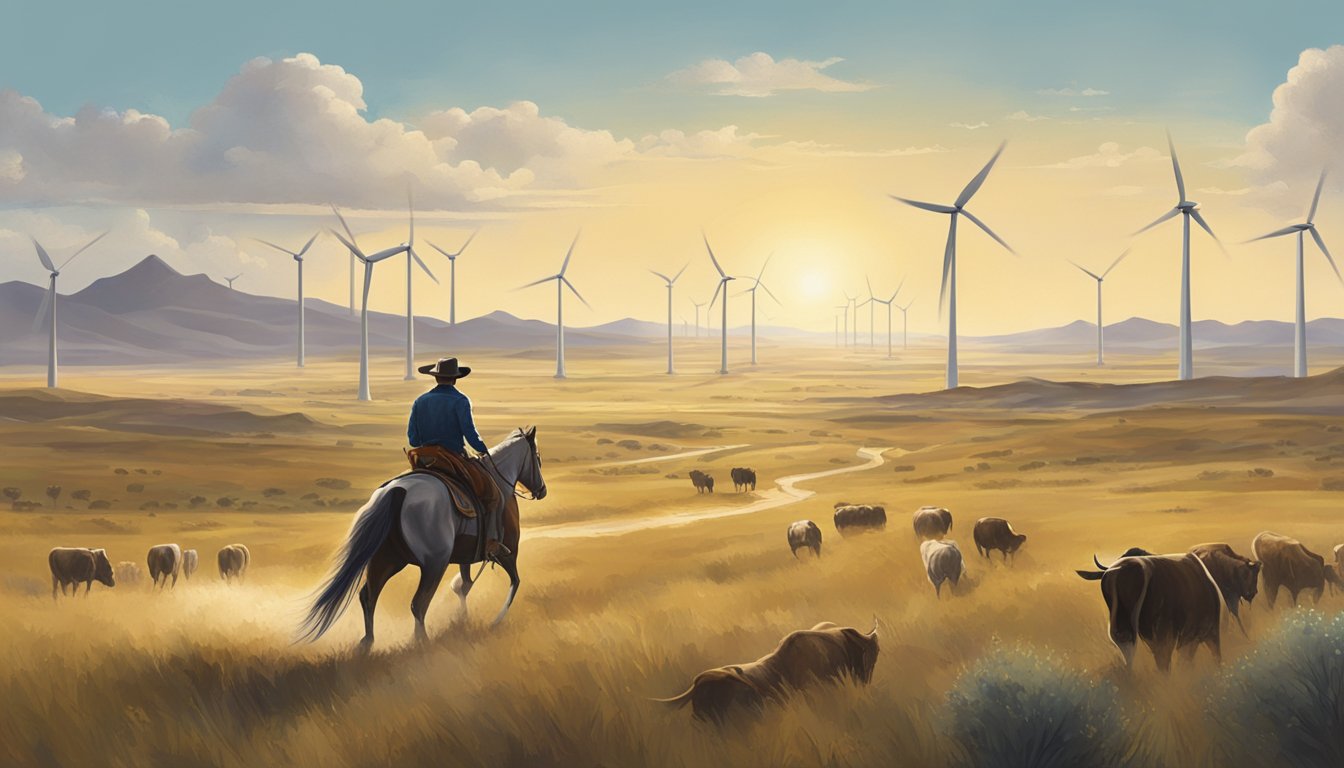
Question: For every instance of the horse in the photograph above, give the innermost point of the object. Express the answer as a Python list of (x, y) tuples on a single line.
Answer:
[(410, 520)]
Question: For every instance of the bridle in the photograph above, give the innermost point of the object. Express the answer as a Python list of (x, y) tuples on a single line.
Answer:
[(530, 496)]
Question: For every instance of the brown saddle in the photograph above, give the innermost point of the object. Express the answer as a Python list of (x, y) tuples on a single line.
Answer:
[(471, 488), (464, 501)]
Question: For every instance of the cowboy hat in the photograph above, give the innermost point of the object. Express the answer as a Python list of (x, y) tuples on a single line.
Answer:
[(446, 368)]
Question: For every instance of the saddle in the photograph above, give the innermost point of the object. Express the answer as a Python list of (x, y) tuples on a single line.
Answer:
[(470, 487)]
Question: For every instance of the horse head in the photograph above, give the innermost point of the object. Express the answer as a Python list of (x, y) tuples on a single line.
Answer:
[(530, 474)]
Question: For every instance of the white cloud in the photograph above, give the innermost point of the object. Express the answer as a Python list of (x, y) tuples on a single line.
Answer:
[(11, 166), (1108, 155), (1089, 92), (970, 126), (1022, 116), (1305, 131), (759, 75), (1238, 192)]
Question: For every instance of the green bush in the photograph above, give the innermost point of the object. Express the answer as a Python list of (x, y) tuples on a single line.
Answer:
[(1018, 708)]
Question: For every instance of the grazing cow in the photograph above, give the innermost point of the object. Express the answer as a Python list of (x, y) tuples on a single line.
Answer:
[(932, 522), (128, 572), (189, 562), (164, 560), (1237, 577), (233, 562), (993, 533), (744, 479), (1289, 564), (704, 483), (824, 653), (859, 518), (805, 533), (1168, 601), (942, 562), (71, 566)]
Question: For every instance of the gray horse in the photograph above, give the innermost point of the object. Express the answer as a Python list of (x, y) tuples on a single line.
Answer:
[(410, 521)]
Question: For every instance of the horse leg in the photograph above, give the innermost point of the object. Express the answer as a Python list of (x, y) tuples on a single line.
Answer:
[(384, 565), (510, 564), (430, 576), (461, 586)]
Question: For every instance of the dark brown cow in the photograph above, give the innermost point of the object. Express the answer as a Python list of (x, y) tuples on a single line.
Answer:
[(704, 483), (1237, 577), (932, 522), (72, 566), (1289, 564), (1168, 601), (993, 533), (859, 518), (233, 562), (164, 560), (805, 534), (744, 479), (823, 653)]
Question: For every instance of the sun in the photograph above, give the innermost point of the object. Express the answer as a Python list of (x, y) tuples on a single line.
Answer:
[(813, 284)]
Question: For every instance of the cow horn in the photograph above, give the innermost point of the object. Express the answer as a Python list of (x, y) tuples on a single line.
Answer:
[(1098, 563), (874, 632)]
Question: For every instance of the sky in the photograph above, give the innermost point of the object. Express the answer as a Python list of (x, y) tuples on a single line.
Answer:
[(773, 129)]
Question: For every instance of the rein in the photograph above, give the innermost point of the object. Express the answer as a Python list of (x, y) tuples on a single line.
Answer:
[(513, 487)]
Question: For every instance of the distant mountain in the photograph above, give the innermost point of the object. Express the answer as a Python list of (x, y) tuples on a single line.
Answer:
[(1137, 332)]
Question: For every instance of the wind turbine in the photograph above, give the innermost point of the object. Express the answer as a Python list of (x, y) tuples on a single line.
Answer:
[(670, 282), (698, 305), (48, 307), (905, 323), (872, 302), (561, 282), (368, 262), (722, 287), (888, 302), (1300, 331), (411, 256), (853, 340), (837, 331), (752, 291), (230, 280), (949, 284), (298, 258), (352, 282), (844, 309), (452, 276), (1189, 210), (1101, 358)]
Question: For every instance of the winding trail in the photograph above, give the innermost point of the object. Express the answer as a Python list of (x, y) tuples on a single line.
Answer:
[(673, 456), (786, 492)]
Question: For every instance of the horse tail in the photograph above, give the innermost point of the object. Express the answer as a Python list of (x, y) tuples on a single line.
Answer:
[(370, 530)]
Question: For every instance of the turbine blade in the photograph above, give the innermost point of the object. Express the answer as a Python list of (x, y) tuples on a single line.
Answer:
[(352, 243), (1174, 212), (1316, 199), (947, 265), (679, 271), (387, 253), (715, 297), (416, 257), (1320, 243), (470, 237), (988, 231), (40, 321), (307, 245), (450, 256), (537, 282), (354, 250), (935, 207), (769, 293), (575, 291), (899, 287), (569, 254), (1200, 220), (1115, 263), (1176, 166), (665, 278), (765, 264), (410, 207), (81, 250), (974, 185), (1089, 272), (42, 255), (711, 256), (1275, 233), (276, 247), (867, 280)]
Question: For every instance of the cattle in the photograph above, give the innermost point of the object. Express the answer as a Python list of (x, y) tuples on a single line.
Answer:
[(704, 483), (744, 479), (189, 562), (932, 522), (1168, 601), (1237, 576), (72, 566), (164, 560), (1339, 562), (1289, 564), (805, 534), (993, 533), (129, 573), (824, 653), (942, 562), (859, 518), (233, 562)]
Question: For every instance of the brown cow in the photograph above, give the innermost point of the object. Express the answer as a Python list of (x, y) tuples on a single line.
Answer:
[(823, 653), (932, 522), (1289, 564), (71, 566), (1237, 577), (993, 533), (860, 517), (233, 562), (1168, 601), (129, 572), (704, 483), (189, 562), (805, 533), (164, 560)]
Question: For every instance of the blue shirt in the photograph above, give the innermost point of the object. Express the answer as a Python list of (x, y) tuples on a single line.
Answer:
[(442, 416)]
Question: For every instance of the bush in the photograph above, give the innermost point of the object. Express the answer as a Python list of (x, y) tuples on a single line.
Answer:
[(1283, 703), (12, 493), (197, 501), (224, 502), (1015, 707), (334, 483), (82, 494), (135, 488), (272, 492), (54, 493)]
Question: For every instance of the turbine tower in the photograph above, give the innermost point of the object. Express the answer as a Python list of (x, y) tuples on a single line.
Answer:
[(872, 302), (844, 308), (698, 305), (752, 291), (905, 323), (452, 276), (1300, 328), (853, 340), (368, 262), (47, 311), (230, 280), (298, 258), (352, 282), (1188, 209), (671, 281), (561, 282), (948, 291), (722, 287), (412, 257), (1101, 356), (888, 301)]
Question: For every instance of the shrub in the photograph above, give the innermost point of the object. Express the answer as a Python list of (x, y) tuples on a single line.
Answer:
[(334, 483), (53, 492), (100, 504), (82, 494), (135, 488), (1015, 707), (12, 493), (224, 502), (1030, 465), (272, 492), (121, 471), (197, 501), (1283, 703)]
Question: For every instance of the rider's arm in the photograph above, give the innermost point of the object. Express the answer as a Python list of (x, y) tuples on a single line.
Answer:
[(412, 429), (468, 427)]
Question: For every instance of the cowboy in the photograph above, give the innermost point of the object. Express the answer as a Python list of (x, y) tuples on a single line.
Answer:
[(440, 427)]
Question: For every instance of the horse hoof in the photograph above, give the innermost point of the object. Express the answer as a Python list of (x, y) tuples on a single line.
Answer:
[(365, 646)]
